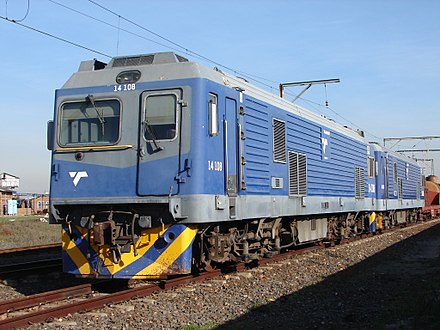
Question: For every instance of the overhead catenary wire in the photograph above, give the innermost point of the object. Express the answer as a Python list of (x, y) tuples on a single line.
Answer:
[(25, 15), (174, 46), (311, 103), (252, 77), (183, 48), (54, 36), (117, 27), (171, 45), (178, 47)]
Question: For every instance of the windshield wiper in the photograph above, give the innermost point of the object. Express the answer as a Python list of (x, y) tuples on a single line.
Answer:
[(152, 136), (101, 119)]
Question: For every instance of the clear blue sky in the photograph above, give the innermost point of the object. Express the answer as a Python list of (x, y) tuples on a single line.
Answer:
[(386, 53)]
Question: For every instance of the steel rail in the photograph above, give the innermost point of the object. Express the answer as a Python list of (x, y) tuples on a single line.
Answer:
[(31, 248), (30, 266), (45, 297)]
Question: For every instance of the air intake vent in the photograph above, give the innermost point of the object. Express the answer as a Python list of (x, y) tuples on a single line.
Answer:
[(297, 174), (399, 188), (159, 58), (279, 141), (133, 60), (181, 58), (359, 183)]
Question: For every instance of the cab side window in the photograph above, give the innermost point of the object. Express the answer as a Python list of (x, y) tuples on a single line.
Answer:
[(160, 117)]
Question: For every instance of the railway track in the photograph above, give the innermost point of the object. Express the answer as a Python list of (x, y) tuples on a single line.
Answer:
[(85, 301), (86, 297), (41, 307), (30, 267), (36, 248), (29, 260), (65, 303)]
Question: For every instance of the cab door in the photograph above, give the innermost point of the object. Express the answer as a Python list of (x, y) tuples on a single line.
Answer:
[(159, 139), (231, 147)]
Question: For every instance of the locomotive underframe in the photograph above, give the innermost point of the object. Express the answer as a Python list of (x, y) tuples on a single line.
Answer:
[(119, 226), (251, 239)]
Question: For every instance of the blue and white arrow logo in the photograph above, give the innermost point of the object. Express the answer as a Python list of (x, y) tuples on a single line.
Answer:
[(76, 176)]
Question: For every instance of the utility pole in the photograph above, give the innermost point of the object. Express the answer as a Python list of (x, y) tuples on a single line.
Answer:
[(408, 138), (399, 139), (426, 160)]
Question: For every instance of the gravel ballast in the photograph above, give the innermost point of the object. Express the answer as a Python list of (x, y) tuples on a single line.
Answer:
[(363, 284)]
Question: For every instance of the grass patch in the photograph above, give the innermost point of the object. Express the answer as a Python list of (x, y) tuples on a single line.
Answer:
[(12, 218), (208, 326), (27, 232)]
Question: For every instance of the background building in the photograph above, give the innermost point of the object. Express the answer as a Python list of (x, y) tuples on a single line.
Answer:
[(8, 201)]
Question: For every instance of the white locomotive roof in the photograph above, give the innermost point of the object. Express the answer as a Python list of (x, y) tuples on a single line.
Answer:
[(169, 66)]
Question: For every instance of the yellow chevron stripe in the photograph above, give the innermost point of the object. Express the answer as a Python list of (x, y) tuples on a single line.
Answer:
[(75, 254), (144, 243), (166, 259), (372, 217)]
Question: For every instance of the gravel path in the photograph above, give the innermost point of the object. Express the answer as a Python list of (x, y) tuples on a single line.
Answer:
[(357, 285)]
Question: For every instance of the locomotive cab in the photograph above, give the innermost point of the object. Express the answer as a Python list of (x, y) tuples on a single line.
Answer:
[(120, 142)]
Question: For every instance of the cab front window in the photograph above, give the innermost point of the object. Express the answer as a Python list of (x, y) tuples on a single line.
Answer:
[(89, 122)]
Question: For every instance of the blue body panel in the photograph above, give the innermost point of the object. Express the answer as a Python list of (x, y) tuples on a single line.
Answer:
[(331, 155), (330, 167), (96, 184)]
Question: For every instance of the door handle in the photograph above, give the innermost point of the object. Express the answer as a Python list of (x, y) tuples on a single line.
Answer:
[(142, 152)]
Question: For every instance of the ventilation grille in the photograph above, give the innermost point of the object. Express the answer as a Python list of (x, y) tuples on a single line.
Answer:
[(158, 58), (399, 188), (297, 174), (181, 58), (359, 185), (133, 60), (279, 141)]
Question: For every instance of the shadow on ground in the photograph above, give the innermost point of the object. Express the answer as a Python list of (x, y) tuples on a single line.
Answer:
[(398, 288), (40, 282)]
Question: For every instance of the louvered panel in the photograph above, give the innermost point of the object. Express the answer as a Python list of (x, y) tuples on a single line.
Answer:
[(181, 58), (279, 141), (399, 188), (293, 174), (297, 174), (359, 184), (302, 175), (133, 60)]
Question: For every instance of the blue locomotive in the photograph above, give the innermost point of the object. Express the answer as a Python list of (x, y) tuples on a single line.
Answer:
[(162, 166)]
